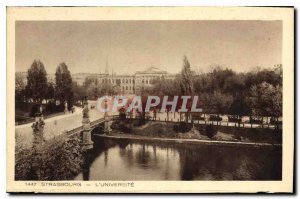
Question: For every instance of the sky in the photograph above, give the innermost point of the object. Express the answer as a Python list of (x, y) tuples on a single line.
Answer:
[(129, 46)]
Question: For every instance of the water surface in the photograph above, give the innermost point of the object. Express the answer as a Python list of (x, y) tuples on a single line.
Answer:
[(113, 159)]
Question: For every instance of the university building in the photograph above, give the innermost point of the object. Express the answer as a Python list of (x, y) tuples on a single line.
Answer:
[(126, 84)]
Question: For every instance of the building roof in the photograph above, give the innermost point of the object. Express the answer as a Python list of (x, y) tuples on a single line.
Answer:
[(151, 70)]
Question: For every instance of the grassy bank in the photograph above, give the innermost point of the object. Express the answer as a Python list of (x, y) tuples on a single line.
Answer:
[(198, 131)]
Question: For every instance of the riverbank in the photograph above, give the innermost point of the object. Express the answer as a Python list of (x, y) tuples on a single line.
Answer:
[(205, 133), (115, 135)]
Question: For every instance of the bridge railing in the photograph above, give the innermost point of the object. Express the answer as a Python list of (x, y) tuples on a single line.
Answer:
[(74, 131), (92, 124)]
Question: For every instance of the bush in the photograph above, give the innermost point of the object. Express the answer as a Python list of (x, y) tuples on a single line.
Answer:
[(70, 104), (122, 115), (59, 159), (123, 126), (51, 107), (156, 129), (34, 110), (182, 127), (210, 131), (114, 125)]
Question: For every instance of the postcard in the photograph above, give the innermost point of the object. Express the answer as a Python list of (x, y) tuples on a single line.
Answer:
[(150, 99)]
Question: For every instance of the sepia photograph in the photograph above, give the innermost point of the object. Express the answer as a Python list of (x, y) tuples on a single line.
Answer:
[(123, 102)]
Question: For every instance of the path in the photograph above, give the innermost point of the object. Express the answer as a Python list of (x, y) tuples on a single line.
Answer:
[(54, 126)]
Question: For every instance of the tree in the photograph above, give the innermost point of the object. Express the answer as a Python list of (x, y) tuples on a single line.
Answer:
[(87, 82), (19, 87), (163, 86), (36, 87), (186, 83), (239, 107), (257, 77), (79, 92), (234, 84), (50, 91), (274, 107), (19, 83), (107, 88), (266, 100), (219, 103), (63, 85)]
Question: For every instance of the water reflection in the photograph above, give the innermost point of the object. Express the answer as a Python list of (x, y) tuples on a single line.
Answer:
[(113, 159)]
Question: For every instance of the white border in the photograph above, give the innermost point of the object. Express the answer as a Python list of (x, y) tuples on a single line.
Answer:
[(5, 3)]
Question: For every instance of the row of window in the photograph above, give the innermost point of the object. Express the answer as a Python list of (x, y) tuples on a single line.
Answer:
[(113, 81), (128, 81), (127, 88), (146, 81), (150, 81)]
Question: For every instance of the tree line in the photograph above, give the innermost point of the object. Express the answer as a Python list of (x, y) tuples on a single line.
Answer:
[(221, 91), (257, 93), (93, 88), (38, 89)]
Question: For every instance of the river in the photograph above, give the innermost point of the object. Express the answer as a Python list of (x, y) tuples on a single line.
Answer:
[(119, 159)]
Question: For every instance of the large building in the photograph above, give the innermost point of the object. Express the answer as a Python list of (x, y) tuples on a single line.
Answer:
[(127, 84)]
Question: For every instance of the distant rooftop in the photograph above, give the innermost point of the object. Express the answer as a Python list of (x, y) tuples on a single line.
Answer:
[(151, 70)]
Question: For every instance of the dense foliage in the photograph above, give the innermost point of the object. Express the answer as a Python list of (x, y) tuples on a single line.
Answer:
[(36, 87), (93, 88), (58, 159), (223, 91), (63, 85), (39, 90)]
